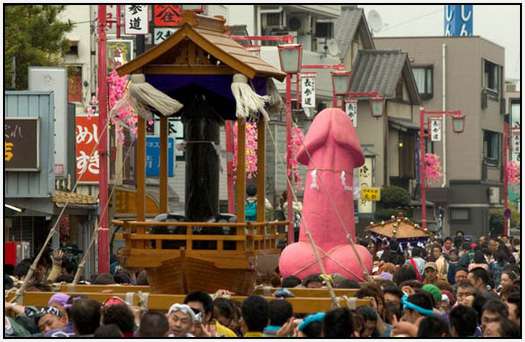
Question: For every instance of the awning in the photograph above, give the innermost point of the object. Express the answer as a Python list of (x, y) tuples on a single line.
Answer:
[(402, 125)]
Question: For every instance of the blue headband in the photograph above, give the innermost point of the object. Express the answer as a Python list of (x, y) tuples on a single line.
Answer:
[(412, 306), (318, 317)]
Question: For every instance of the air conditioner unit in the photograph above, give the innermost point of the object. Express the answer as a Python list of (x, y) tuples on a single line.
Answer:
[(299, 23), (274, 18)]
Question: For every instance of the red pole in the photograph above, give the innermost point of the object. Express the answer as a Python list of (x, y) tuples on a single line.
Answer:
[(505, 174), (229, 165), (103, 241), (422, 168), (289, 195)]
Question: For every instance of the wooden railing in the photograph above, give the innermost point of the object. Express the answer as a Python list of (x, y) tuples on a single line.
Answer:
[(162, 302), (248, 236)]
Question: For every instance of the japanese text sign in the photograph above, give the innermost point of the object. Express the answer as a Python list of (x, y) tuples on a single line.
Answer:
[(435, 129), (351, 111), (365, 181), (308, 91), (153, 156), (161, 34), (516, 145), (371, 194), (136, 19), (87, 137), (21, 144), (167, 15)]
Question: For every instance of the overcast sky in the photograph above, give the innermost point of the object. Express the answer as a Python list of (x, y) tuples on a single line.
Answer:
[(497, 23)]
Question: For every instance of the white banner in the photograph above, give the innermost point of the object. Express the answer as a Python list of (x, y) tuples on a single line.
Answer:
[(365, 181), (162, 33), (136, 19), (435, 129), (516, 145), (307, 91), (351, 111)]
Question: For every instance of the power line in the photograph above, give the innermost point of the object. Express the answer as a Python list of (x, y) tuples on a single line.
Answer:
[(410, 20)]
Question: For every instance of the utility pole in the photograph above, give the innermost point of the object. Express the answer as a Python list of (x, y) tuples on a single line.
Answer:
[(103, 234)]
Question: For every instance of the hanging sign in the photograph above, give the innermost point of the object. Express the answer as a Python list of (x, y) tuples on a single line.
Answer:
[(516, 145), (308, 90), (371, 194), (136, 19), (167, 15), (435, 129), (365, 181), (21, 144), (351, 110), (87, 137), (458, 20), (161, 34)]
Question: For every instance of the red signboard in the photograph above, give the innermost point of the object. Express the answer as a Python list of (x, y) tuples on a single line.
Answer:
[(167, 15), (87, 137)]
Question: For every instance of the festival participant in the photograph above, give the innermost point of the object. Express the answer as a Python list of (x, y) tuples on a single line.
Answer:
[(462, 321), (507, 280), (202, 303), (433, 327), (493, 310), (502, 328), (225, 312), (181, 319), (291, 281), (313, 281), (434, 291), (513, 303), (255, 316), (417, 261), (279, 311), (479, 278), (405, 273), (465, 293), (85, 314), (312, 326), (108, 330), (441, 262), (369, 324), (153, 324), (116, 311), (430, 273), (338, 323), (460, 275), (392, 295), (51, 319), (447, 245)]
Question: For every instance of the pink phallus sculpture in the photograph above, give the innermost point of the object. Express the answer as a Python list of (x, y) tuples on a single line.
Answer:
[(331, 151)]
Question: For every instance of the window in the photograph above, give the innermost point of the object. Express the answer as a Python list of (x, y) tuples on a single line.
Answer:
[(491, 150), (491, 79), (424, 80), (74, 84), (459, 214)]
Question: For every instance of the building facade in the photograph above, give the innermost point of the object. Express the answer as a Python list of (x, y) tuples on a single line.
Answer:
[(462, 73)]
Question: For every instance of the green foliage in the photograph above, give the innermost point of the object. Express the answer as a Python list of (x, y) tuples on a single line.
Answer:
[(34, 36), (393, 197)]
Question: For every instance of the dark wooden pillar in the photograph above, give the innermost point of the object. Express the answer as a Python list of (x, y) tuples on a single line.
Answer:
[(163, 164)]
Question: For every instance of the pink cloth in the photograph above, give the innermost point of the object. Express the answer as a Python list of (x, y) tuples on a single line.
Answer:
[(331, 148)]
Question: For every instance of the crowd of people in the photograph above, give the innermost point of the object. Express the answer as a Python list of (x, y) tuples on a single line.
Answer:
[(449, 288)]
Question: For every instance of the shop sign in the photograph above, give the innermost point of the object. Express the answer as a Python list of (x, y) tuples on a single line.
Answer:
[(87, 138), (351, 110), (308, 90), (136, 19), (435, 129), (167, 15), (21, 144), (153, 156), (365, 181), (161, 34), (371, 194)]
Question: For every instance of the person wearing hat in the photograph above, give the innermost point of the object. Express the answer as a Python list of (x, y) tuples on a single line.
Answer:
[(434, 291), (430, 273), (51, 318), (312, 325), (181, 319)]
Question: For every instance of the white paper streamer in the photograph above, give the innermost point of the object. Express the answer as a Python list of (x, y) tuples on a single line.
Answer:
[(314, 184), (343, 181)]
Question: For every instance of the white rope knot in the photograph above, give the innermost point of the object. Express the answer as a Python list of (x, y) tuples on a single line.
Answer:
[(314, 184), (343, 182), (248, 102)]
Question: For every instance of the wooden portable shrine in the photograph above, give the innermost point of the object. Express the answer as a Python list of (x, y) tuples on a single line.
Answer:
[(197, 63), (399, 228)]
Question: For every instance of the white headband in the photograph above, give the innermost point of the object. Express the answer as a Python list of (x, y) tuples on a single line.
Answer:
[(184, 308)]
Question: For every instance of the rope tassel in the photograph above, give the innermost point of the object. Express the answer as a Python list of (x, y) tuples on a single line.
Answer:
[(248, 102), (146, 94)]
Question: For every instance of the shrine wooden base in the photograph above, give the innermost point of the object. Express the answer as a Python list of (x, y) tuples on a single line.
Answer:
[(186, 274)]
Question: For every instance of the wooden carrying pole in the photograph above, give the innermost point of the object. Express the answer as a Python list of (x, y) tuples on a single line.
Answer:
[(241, 169), (261, 168), (163, 164)]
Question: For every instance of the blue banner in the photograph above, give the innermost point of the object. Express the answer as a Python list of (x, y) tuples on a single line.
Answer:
[(153, 156), (459, 20)]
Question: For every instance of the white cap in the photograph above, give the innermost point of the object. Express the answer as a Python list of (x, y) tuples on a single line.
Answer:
[(184, 308)]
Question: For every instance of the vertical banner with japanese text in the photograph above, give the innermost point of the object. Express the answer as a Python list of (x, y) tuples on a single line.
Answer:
[(435, 129), (136, 19), (87, 162), (308, 90), (351, 110), (365, 181)]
